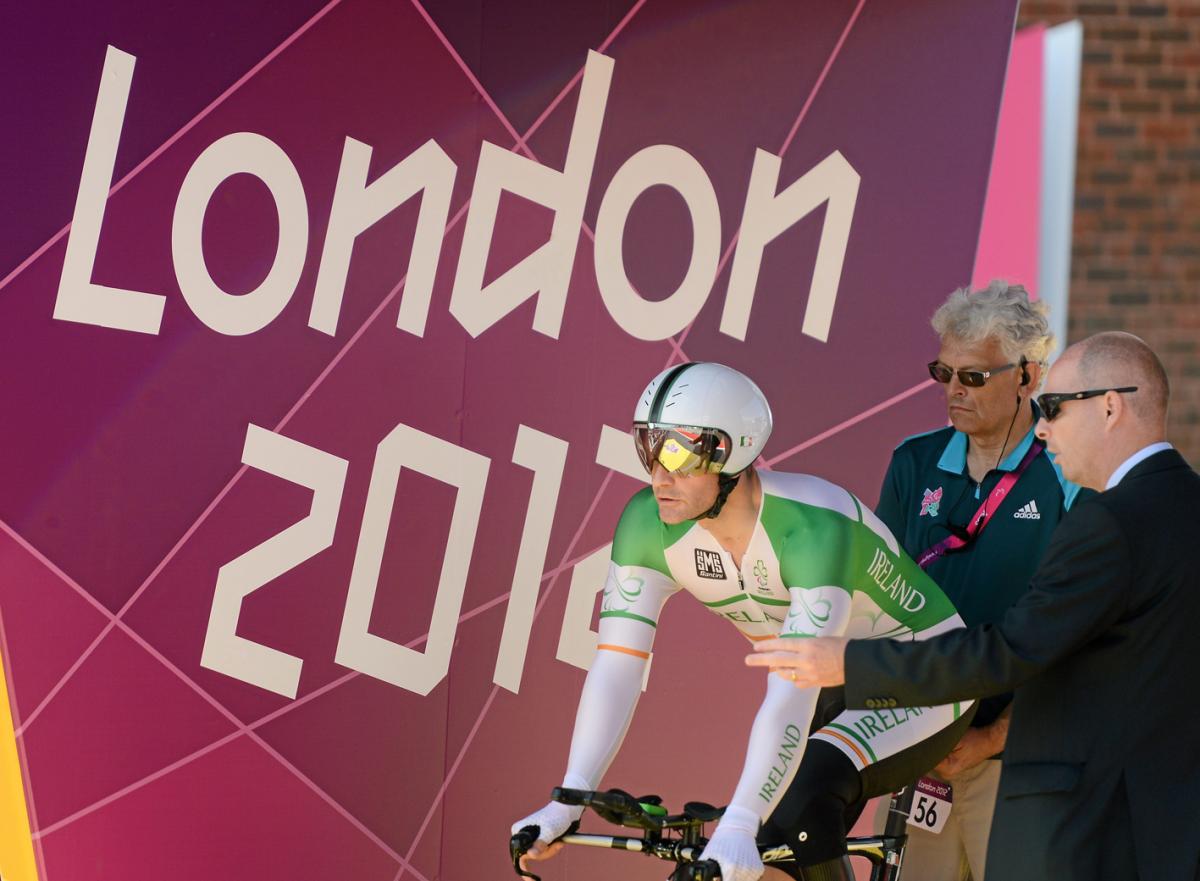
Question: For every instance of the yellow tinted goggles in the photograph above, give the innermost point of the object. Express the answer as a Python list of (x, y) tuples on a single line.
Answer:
[(681, 449)]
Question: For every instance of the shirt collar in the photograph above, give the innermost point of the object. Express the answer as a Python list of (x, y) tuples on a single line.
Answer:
[(954, 456), (1126, 466)]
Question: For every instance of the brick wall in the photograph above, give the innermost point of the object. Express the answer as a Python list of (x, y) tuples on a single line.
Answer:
[(1136, 251)]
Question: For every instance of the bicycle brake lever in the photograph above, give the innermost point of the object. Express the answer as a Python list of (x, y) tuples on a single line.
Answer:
[(519, 845)]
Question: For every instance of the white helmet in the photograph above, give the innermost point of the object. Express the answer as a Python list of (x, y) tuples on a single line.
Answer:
[(709, 398)]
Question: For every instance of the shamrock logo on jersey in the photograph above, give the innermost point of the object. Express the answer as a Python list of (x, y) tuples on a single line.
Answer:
[(809, 607), (760, 574), (629, 588), (931, 502)]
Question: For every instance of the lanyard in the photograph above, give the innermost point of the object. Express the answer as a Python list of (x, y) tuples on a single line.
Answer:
[(985, 512)]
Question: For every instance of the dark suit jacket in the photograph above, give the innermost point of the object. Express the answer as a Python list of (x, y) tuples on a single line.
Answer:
[(1101, 775)]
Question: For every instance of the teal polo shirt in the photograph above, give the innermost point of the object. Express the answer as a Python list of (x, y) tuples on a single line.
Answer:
[(927, 486)]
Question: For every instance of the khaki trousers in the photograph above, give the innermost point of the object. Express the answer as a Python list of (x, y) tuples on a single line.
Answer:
[(959, 851)]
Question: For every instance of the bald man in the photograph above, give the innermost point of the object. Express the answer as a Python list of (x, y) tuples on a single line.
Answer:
[(1102, 764)]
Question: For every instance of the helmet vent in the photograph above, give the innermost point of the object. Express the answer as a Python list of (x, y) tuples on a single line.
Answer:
[(664, 391)]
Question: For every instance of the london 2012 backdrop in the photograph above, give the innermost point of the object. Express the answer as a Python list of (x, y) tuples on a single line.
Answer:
[(322, 327)]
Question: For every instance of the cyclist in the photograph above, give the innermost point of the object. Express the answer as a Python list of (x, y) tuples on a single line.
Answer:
[(776, 554)]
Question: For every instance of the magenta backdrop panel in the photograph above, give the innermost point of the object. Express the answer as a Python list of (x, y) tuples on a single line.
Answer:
[(229, 658)]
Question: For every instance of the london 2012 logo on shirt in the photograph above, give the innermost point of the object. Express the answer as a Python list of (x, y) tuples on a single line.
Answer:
[(931, 502)]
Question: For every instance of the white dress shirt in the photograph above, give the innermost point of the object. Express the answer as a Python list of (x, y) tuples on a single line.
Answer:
[(1143, 453)]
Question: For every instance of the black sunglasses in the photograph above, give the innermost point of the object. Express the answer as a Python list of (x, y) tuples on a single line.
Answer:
[(1051, 403), (973, 378)]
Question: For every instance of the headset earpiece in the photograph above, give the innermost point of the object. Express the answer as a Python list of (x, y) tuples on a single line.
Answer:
[(1024, 372)]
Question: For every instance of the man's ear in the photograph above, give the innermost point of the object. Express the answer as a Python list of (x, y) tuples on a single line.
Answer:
[(1114, 406), (1034, 370)]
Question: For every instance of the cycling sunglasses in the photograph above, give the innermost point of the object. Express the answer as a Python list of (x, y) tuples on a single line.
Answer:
[(681, 449), (973, 378), (1051, 403)]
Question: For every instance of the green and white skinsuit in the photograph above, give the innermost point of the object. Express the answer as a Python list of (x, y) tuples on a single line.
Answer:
[(819, 563)]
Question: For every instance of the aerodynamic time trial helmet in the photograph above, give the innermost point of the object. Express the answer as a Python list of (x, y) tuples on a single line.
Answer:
[(701, 418)]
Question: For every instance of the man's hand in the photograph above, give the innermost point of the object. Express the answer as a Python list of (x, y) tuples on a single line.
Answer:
[(976, 745), (539, 851), (804, 662), (552, 821), (732, 845)]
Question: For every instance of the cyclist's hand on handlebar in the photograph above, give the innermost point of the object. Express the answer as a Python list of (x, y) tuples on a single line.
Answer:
[(540, 851), (552, 821), (733, 846)]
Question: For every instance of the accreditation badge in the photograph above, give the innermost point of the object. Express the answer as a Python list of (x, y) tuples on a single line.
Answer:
[(931, 805)]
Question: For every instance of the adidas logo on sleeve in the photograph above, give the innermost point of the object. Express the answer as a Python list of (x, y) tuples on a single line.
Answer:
[(1028, 511)]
